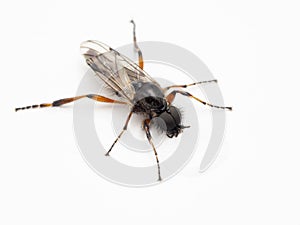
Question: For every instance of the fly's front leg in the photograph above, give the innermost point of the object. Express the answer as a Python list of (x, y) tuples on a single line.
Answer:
[(141, 61), (119, 136), (170, 98), (148, 134), (188, 85), (63, 101)]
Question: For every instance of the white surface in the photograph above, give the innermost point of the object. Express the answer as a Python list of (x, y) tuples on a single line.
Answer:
[(252, 47)]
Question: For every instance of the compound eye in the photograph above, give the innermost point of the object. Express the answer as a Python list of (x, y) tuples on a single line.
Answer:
[(175, 114), (165, 122)]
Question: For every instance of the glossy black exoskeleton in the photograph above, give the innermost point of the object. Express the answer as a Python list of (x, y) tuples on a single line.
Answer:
[(150, 101)]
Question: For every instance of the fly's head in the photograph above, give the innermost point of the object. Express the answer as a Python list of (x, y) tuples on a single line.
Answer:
[(170, 121)]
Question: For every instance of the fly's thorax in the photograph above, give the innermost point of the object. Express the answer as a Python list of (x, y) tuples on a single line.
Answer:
[(149, 98), (146, 89)]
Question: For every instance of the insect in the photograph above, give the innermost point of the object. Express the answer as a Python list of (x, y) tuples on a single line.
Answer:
[(133, 87)]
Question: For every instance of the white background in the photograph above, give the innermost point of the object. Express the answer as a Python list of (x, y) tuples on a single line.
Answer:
[(252, 47)]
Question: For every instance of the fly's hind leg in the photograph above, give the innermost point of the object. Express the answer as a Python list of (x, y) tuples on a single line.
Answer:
[(63, 101), (141, 61), (119, 136), (172, 95), (148, 134)]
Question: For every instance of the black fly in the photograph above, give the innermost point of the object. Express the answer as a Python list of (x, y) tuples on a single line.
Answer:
[(135, 88)]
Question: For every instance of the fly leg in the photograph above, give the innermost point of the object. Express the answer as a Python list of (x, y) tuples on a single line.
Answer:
[(148, 134), (63, 101), (119, 136), (141, 61), (172, 95), (188, 85)]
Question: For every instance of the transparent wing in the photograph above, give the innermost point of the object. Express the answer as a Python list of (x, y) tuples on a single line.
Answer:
[(116, 70)]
